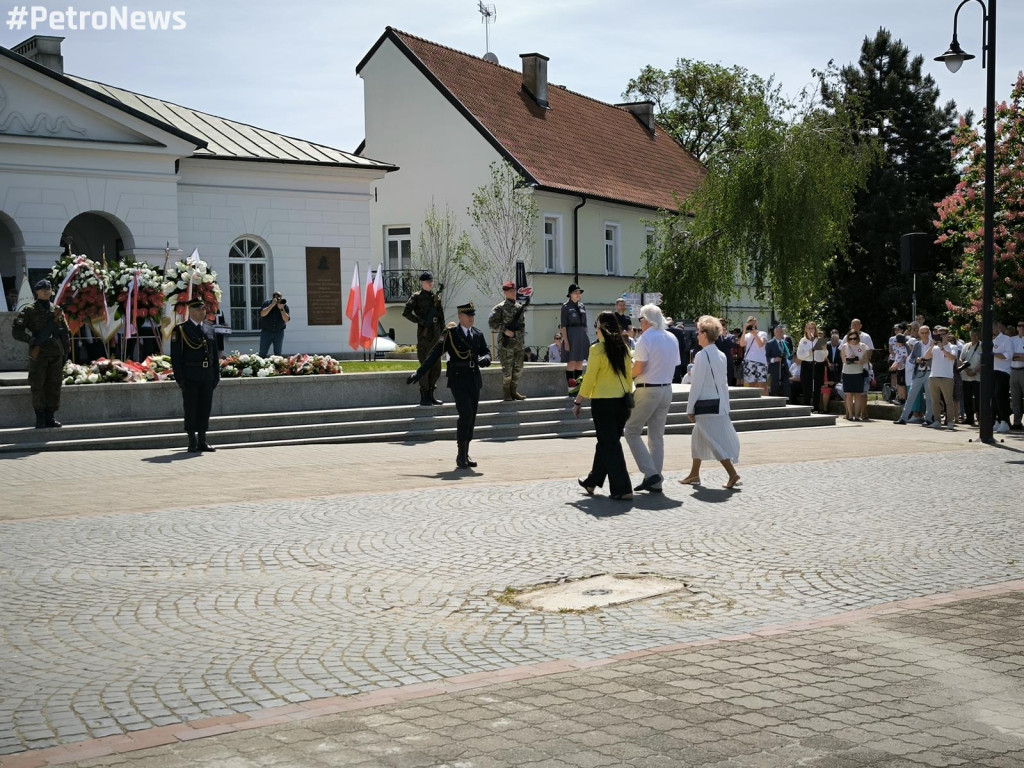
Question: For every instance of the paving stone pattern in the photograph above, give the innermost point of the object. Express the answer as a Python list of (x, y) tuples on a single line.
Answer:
[(935, 687), (121, 623)]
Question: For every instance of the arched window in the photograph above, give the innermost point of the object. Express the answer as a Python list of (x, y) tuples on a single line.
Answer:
[(247, 278)]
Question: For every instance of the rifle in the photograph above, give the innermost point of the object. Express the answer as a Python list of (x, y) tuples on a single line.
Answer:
[(36, 342), (514, 324), (432, 314)]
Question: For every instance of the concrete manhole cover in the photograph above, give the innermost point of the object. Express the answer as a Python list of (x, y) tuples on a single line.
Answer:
[(596, 592)]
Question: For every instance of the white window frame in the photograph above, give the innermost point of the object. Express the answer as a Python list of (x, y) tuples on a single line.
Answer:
[(649, 238), (242, 251), (391, 237), (554, 239), (612, 248)]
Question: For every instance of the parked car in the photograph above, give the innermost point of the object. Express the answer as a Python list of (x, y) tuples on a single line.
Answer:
[(384, 344)]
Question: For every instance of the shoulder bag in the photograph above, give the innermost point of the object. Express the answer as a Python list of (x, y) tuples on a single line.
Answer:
[(708, 406)]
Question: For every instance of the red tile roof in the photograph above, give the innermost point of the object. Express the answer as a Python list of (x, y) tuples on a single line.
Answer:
[(578, 145)]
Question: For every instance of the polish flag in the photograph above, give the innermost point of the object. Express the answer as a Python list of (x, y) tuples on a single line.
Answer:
[(380, 307), (354, 311), (369, 326)]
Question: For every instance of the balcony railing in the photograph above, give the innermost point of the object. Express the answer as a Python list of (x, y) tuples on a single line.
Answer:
[(400, 284)]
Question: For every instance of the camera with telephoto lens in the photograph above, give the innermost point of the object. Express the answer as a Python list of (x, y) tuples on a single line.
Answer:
[(963, 367), (282, 300)]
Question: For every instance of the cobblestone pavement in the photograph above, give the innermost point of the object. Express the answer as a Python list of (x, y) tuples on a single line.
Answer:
[(120, 623), (933, 685)]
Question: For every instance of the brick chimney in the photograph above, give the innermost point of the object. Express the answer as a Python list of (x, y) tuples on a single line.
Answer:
[(44, 50), (643, 111), (535, 77)]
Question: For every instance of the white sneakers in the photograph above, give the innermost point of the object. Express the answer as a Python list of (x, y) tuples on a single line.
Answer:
[(1001, 427)]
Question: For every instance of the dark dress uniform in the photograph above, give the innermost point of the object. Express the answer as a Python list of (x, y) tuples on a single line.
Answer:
[(424, 308), (41, 325), (197, 371), (467, 354)]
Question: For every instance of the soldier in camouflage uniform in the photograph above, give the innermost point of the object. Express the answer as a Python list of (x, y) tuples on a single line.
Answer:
[(511, 343), (424, 308), (41, 325)]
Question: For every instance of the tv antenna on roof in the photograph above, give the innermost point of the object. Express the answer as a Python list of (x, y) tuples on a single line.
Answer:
[(488, 15)]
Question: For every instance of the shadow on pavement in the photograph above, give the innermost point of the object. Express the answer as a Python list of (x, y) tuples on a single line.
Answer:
[(714, 495), (602, 506), (451, 474), (171, 457)]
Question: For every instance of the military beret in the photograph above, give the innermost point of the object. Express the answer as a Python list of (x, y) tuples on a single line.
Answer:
[(467, 309), (425, 277), (508, 286), (43, 285)]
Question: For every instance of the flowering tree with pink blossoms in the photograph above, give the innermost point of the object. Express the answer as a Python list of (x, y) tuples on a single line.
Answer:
[(961, 218)]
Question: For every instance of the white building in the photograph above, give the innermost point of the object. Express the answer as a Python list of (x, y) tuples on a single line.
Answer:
[(128, 175), (599, 172)]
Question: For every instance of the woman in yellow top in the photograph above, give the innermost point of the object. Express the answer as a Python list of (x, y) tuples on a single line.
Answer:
[(608, 380)]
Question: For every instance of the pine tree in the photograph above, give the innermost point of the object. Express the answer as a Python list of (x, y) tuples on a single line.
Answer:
[(899, 108)]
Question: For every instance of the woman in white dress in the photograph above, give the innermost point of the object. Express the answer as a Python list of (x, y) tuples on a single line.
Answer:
[(713, 434)]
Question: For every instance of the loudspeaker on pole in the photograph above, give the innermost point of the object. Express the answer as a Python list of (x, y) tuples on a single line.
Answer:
[(915, 255)]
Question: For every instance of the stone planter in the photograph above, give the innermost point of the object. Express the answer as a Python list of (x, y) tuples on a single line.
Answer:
[(90, 403)]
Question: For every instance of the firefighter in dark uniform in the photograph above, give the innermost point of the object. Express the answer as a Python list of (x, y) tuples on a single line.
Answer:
[(424, 308), (42, 326), (467, 354), (197, 371)]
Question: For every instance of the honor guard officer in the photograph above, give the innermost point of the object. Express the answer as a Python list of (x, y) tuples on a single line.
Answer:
[(424, 308), (506, 319), (467, 354), (41, 325), (197, 371)]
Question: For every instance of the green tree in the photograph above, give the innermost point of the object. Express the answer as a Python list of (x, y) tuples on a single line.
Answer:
[(504, 214), (899, 110), (444, 250), (773, 210), (961, 219), (702, 105)]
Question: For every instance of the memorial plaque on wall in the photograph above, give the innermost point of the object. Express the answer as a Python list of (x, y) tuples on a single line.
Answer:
[(323, 286)]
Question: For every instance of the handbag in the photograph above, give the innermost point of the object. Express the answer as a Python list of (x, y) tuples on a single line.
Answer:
[(627, 397), (708, 406)]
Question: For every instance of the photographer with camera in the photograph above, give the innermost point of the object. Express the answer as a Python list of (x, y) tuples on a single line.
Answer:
[(969, 366), (755, 359), (898, 352), (274, 318), (940, 383), (920, 368)]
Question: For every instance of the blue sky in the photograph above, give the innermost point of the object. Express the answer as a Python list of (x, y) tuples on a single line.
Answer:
[(290, 66)]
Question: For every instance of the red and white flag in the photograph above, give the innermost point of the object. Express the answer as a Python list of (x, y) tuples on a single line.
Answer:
[(369, 326), (354, 312)]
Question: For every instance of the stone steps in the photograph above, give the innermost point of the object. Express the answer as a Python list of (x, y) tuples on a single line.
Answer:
[(539, 417)]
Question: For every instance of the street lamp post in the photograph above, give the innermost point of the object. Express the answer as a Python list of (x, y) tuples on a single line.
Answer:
[(954, 59)]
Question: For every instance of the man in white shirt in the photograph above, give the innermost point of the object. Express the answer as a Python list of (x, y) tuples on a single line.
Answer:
[(865, 338), (1017, 377), (654, 363), (1002, 357), (940, 382)]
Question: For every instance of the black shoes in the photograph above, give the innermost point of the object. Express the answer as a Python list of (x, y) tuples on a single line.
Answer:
[(432, 400), (652, 484), (583, 484), (40, 419)]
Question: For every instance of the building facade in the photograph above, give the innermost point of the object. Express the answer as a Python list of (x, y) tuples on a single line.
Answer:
[(121, 174)]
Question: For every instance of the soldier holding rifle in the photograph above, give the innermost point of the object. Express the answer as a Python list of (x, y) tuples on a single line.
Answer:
[(424, 308), (42, 326), (506, 319)]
